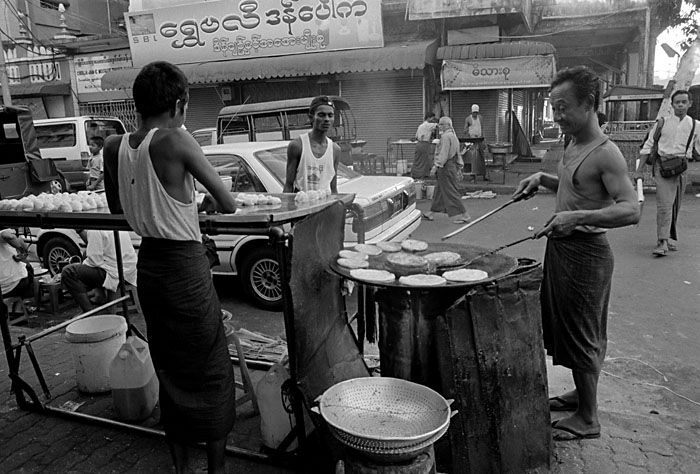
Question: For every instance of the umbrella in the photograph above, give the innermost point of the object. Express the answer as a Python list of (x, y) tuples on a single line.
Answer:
[(640, 192)]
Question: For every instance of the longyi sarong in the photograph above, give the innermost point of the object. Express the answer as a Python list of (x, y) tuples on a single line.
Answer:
[(447, 197), (187, 340), (575, 294)]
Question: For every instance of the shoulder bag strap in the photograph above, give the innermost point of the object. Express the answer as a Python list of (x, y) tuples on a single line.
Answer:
[(690, 138)]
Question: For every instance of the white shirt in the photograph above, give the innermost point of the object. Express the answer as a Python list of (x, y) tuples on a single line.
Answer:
[(102, 253), (11, 271), (425, 131), (314, 173), (674, 137)]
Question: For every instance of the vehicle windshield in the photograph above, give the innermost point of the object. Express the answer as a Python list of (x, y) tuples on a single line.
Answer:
[(275, 160)]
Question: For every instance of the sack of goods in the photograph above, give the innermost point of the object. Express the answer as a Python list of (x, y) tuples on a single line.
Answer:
[(670, 166)]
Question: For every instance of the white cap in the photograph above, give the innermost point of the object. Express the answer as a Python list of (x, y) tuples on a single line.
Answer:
[(475, 108)]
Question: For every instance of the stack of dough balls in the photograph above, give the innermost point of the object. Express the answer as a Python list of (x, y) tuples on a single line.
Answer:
[(250, 199), (312, 195), (61, 202)]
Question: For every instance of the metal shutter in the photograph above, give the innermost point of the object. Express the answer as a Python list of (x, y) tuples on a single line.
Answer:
[(461, 106), (204, 107), (386, 105)]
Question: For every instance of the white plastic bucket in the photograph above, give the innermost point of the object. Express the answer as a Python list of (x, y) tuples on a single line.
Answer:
[(94, 342), (429, 191), (419, 189)]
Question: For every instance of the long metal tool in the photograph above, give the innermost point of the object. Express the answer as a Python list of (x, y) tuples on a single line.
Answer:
[(517, 198), (496, 250)]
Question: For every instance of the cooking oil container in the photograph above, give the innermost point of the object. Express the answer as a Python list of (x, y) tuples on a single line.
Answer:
[(133, 380)]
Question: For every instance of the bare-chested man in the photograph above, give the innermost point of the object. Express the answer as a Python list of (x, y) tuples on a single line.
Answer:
[(312, 159), (594, 193)]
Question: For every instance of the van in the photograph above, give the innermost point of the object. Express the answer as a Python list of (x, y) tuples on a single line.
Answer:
[(22, 171), (65, 141), (283, 120)]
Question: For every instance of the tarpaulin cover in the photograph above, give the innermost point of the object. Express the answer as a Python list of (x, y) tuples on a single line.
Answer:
[(325, 348)]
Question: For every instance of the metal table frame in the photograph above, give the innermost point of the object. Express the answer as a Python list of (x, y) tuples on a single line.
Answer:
[(269, 223)]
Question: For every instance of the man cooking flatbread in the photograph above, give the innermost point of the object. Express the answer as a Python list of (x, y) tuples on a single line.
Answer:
[(594, 193)]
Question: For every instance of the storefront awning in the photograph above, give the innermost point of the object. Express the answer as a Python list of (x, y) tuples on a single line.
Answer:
[(393, 56), (40, 89), (508, 65), (633, 93), (495, 50)]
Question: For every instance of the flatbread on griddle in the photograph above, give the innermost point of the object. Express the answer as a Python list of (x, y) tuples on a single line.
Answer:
[(412, 245), (368, 249), (465, 275), (443, 258), (389, 247), (352, 255), (403, 263), (352, 263), (422, 279), (378, 276)]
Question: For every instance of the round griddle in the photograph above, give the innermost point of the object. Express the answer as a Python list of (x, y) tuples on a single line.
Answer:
[(496, 265)]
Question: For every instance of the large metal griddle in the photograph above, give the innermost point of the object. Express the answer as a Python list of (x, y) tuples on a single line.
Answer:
[(496, 265)]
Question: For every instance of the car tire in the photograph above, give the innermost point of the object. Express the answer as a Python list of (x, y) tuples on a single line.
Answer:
[(59, 185), (260, 275), (58, 249)]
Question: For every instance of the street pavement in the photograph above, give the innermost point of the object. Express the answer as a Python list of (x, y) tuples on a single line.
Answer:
[(649, 392)]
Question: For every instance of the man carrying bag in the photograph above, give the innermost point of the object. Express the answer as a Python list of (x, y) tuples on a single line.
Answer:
[(667, 149)]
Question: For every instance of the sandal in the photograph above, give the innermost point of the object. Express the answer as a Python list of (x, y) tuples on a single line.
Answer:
[(427, 217)]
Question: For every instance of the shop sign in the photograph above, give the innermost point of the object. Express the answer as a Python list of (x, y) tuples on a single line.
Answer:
[(428, 9), (90, 68), (226, 29), (501, 73)]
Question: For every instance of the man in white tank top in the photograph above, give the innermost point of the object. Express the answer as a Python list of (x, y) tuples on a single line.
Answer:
[(312, 159)]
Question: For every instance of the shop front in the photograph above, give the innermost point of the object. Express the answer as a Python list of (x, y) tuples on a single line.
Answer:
[(499, 77)]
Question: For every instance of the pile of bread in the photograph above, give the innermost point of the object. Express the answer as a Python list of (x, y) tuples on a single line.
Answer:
[(402, 261), (59, 202), (312, 195)]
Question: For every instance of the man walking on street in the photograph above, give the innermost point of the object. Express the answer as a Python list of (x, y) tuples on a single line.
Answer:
[(677, 137), (594, 193), (424, 139), (473, 128)]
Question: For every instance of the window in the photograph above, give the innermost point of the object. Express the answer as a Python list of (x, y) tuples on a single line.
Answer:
[(242, 177), (268, 127), (234, 129), (55, 135), (102, 128)]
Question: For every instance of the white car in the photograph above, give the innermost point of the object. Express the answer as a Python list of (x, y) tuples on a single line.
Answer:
[(387, 202)]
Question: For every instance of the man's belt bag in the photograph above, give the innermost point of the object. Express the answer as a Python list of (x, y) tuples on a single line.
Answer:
[(672, 165)]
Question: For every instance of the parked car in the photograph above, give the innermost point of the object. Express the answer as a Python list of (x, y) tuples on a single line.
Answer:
[(205, 136), (65, 141), (388, 204)]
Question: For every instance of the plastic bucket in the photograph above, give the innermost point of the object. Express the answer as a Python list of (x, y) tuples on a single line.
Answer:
[(429, 191), (419, 189), (94, 342)]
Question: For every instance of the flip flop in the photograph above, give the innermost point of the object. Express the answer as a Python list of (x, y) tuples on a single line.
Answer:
[(659, 252), (560, 404), (576, 434), (461, 221), (428, 218)]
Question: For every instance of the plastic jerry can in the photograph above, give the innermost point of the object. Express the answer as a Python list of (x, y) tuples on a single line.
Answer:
[(133, 380), (275, 422)]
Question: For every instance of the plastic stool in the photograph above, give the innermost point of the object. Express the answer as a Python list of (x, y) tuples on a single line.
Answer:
[(133, 305), (55, 295), (11, 304)]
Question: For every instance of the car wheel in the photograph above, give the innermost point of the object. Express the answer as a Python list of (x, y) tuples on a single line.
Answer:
[(58, 249), (58, 186), (260, 275)]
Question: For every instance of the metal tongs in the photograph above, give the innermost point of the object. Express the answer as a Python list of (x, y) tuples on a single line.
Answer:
[(517, 198), (496, 250)]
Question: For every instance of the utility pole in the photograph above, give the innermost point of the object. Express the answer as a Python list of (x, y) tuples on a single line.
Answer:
[(4, 81)]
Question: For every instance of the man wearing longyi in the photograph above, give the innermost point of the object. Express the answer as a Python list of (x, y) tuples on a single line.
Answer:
[(594, 193), (150, 175)]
